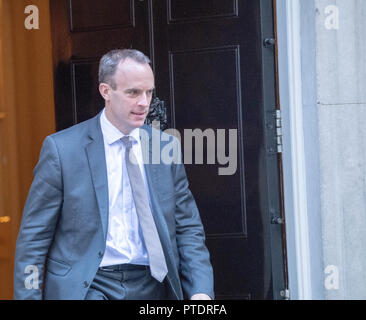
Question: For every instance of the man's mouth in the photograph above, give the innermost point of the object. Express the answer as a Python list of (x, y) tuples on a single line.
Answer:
[(139, 113)]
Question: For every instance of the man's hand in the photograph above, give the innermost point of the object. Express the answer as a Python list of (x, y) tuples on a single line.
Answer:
[(200, 296)]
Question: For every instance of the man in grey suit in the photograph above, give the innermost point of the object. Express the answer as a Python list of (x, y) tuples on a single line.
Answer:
[(102, 220)]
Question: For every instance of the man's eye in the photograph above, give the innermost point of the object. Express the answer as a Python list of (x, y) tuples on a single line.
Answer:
[(133, 92)]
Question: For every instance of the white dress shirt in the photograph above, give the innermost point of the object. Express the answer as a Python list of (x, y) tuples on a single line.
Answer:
[(125, 243)]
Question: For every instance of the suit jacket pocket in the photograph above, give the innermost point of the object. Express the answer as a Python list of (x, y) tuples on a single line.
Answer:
[(57, 268)]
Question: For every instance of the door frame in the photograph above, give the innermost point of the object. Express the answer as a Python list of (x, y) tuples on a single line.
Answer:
[(290, 87), (296, 51), (274, 193)]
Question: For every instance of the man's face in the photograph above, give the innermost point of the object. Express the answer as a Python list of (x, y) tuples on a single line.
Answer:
[(127, 106)]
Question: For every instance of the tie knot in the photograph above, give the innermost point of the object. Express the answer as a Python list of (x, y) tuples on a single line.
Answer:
[(127, 141)]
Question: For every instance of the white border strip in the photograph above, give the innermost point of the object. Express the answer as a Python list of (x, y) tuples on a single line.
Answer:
[(298, 150)]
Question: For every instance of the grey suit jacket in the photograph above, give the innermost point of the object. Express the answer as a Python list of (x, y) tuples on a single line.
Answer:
[(63, 232)]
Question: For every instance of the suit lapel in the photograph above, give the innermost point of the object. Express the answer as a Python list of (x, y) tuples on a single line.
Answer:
[(98, 170), (152, 181), (150, 169)]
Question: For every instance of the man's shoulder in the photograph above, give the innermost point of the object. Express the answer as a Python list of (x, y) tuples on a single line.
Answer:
[(76, 132)]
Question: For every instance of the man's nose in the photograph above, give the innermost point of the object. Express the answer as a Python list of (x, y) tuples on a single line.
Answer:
[(144, 100)]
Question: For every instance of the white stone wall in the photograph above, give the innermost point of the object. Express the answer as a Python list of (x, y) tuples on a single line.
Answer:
[(341, 99)]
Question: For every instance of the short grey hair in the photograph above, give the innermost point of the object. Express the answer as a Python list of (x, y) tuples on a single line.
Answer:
[(109, 62)]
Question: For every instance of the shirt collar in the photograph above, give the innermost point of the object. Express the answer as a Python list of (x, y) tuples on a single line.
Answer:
[(111, 134)]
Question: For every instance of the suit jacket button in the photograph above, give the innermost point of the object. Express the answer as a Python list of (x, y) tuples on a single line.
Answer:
[(86, 284), (100, 254)]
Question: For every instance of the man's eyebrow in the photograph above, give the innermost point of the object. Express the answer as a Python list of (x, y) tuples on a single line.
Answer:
[(137, 89)]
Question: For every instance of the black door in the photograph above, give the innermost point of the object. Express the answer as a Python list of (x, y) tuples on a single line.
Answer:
[(82, 31), (214, 73)]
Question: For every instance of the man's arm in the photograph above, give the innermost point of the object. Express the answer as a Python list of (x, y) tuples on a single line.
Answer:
[(195, 267), (38, 224)]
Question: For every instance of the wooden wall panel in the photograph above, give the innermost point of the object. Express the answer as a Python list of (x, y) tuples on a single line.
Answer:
[(27, 104)]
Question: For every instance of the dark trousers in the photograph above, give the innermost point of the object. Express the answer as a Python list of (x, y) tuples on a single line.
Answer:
[(126, 282)]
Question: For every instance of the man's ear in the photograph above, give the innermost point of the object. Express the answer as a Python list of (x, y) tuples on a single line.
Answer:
[(104, 90)]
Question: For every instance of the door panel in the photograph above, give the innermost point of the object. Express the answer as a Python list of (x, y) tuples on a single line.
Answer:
[(195, 106), (82, 31), (179, 11), (209, 68), (101, 15)]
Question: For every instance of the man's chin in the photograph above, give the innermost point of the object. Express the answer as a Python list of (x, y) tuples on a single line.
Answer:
[(140, 124), (137, 124)]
